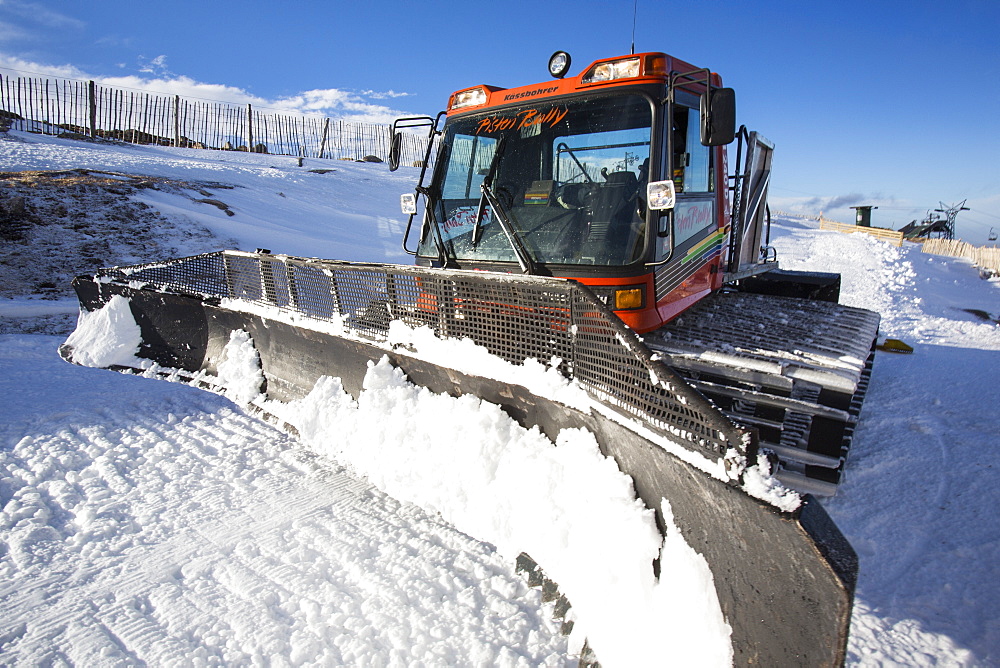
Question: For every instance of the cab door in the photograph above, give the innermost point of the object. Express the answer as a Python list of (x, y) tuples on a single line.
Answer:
[(694, 240)]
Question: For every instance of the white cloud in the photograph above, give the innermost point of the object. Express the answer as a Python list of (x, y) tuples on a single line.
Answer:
[(12, 33), (157, 66), (115, 41), (838, 207), (382, 95), (333, 102), (37, 14), (19, 65)]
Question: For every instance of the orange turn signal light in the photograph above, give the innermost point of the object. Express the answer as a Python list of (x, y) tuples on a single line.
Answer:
[(628, 299)]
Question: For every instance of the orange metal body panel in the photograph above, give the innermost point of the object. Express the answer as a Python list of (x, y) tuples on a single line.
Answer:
[(652, 316)]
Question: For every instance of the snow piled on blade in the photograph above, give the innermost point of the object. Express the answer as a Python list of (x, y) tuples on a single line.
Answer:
[(688, 604), (568, 506), (239, 372), (467, 356), (107, 337), (760, 483)]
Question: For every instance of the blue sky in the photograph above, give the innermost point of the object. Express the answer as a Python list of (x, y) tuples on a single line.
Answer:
[(892, 104)]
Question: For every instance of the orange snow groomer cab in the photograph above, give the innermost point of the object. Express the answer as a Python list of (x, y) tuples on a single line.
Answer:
[(615, 177)]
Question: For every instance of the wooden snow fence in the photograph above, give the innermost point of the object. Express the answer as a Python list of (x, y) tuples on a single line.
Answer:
[(893, 237), (74, 108), (987, 259)]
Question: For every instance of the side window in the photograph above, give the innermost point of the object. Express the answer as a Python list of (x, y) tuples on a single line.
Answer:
[(694, 214), (692, 161)]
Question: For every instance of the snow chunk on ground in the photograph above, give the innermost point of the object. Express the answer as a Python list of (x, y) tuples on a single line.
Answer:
[(107, 337)]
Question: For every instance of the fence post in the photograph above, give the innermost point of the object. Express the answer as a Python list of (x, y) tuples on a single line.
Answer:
[(177, 120), (322, 144), (92, 104), (249, 128)]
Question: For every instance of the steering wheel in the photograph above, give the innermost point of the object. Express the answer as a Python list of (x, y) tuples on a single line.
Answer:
[(575, 195)]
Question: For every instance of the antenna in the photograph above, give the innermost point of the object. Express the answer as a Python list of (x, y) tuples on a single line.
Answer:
[(635, 10)]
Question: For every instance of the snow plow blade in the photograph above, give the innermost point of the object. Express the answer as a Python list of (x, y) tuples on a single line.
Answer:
[(785, 578)]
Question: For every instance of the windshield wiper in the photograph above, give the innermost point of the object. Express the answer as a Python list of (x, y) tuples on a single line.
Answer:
[(489, 197), (477, 225), (523, 256)]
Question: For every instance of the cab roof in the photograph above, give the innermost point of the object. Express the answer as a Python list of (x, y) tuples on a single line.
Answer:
[(651, 67)]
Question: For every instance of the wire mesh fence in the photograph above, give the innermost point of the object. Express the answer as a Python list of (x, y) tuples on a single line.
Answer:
[(86, 108)]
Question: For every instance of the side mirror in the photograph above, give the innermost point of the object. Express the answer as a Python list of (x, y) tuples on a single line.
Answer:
[(718, 117), (395, 146), (661, 195)]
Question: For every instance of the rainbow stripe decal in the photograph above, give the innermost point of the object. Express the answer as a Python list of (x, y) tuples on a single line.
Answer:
[(704, 249)]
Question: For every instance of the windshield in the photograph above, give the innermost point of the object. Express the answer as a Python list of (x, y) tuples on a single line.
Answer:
[(569, 183)]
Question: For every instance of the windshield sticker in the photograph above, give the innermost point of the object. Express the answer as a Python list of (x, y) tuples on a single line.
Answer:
[(461, 221), (538, 193), (526, 118)]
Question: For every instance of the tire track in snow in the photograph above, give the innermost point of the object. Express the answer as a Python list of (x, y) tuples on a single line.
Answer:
[(172, 528)]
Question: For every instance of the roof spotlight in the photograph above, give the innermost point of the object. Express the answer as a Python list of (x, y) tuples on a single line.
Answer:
[(559, 64)]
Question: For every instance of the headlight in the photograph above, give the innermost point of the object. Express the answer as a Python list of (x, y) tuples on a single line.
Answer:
[(408, 203), (661, 195), (615, 69), (559, 64), (616, 298), (472, 97)]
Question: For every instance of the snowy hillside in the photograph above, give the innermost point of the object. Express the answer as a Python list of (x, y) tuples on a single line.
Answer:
[(145, 521)]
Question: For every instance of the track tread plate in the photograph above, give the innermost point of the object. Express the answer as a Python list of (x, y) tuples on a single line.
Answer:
[(777, 349), (772, 333)]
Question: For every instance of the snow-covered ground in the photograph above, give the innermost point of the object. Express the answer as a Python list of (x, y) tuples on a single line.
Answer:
[(154, 523), (921, 482), (151, 522)]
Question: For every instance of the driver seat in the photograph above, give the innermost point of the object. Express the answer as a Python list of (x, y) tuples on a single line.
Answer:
[(611, 210)]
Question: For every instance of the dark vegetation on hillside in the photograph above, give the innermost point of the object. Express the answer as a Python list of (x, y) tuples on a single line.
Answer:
[(55, 225)]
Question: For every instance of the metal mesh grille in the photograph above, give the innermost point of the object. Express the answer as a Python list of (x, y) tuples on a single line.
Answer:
[(514, 317)]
